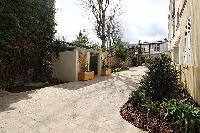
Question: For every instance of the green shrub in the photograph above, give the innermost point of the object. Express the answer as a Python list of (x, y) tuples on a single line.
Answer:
[(183, 115), (120, 53), (148, 61), (159, 83), (26, 33), (149, 106), (161, 79), (57, 46), (140, 91), (138, 95), (135, 61)]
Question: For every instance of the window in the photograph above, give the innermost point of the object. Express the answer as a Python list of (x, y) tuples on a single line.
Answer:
[(187, 41), (157, 47), (152, 46)]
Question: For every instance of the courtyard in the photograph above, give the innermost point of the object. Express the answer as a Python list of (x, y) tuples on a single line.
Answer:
[(76, 107)]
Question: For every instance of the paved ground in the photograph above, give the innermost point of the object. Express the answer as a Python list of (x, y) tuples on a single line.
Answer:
[(76, 107)]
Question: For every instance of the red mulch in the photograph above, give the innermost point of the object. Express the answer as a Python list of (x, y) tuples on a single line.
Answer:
[(143, 120), (150, 122)]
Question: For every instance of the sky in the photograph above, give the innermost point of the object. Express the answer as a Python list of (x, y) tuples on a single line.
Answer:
[(145, 20)]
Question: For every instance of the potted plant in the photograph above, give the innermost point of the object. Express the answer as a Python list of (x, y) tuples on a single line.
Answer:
[(84, 73), (105, 71)]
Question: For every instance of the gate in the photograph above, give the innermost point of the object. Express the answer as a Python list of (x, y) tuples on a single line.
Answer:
[(94, 63)]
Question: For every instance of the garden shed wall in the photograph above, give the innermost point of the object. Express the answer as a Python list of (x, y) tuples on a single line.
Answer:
[(65, 68)]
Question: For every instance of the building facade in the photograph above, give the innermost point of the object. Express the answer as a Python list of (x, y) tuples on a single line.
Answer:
[(153, 48), (184, 42)]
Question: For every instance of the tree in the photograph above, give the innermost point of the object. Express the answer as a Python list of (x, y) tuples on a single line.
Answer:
[(104, 14), (26, 34), (81, 39), (114, 32), (95, 46), (121, 53)]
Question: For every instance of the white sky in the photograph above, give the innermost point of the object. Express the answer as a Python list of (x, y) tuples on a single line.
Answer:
[(145, 20)]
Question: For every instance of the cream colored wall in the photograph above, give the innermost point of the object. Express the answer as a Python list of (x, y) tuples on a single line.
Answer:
[(170, 24), (176, 55), (174, 35), (192, 9), (191, 74), (65, 68)]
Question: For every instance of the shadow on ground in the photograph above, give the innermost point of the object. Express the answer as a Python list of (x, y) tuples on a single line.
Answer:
[(81, 84), (7, 98), (127, 80)]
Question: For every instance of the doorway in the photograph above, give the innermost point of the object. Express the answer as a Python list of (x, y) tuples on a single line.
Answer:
[(94, 63)]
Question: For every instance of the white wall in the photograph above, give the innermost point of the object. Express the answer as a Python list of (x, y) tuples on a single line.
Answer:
[(65, 68), (164, 47)]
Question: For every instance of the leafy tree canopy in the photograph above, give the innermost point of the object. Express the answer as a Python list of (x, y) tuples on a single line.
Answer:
[(82, 39), (120, 51)]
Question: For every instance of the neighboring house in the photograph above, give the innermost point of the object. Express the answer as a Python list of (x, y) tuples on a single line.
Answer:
[(154, 48), (128, 45), (184, 42), (174, 29), (150, 48)]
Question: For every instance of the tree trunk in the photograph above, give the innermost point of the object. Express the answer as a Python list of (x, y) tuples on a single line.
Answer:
[(103, 45), (103, 37)]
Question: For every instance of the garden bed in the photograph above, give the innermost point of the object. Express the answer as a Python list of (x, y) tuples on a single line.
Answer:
[(152, 123), (160, 103), (144, 120)]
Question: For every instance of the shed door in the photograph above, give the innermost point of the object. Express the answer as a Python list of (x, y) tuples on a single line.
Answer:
[(94, 63)]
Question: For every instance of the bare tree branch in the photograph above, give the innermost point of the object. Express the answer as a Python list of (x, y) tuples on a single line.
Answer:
[(105, 16)]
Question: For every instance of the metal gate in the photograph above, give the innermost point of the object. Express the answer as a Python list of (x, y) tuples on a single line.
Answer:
[(94, 63)]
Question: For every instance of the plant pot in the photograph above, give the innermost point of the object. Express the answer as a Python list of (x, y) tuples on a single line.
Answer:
[(106, 71), (84, 76)]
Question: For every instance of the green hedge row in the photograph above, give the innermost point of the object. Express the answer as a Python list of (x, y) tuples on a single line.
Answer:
[(26, 35)]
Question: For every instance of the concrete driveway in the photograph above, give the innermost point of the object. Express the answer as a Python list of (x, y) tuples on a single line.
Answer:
[(76, 107)]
